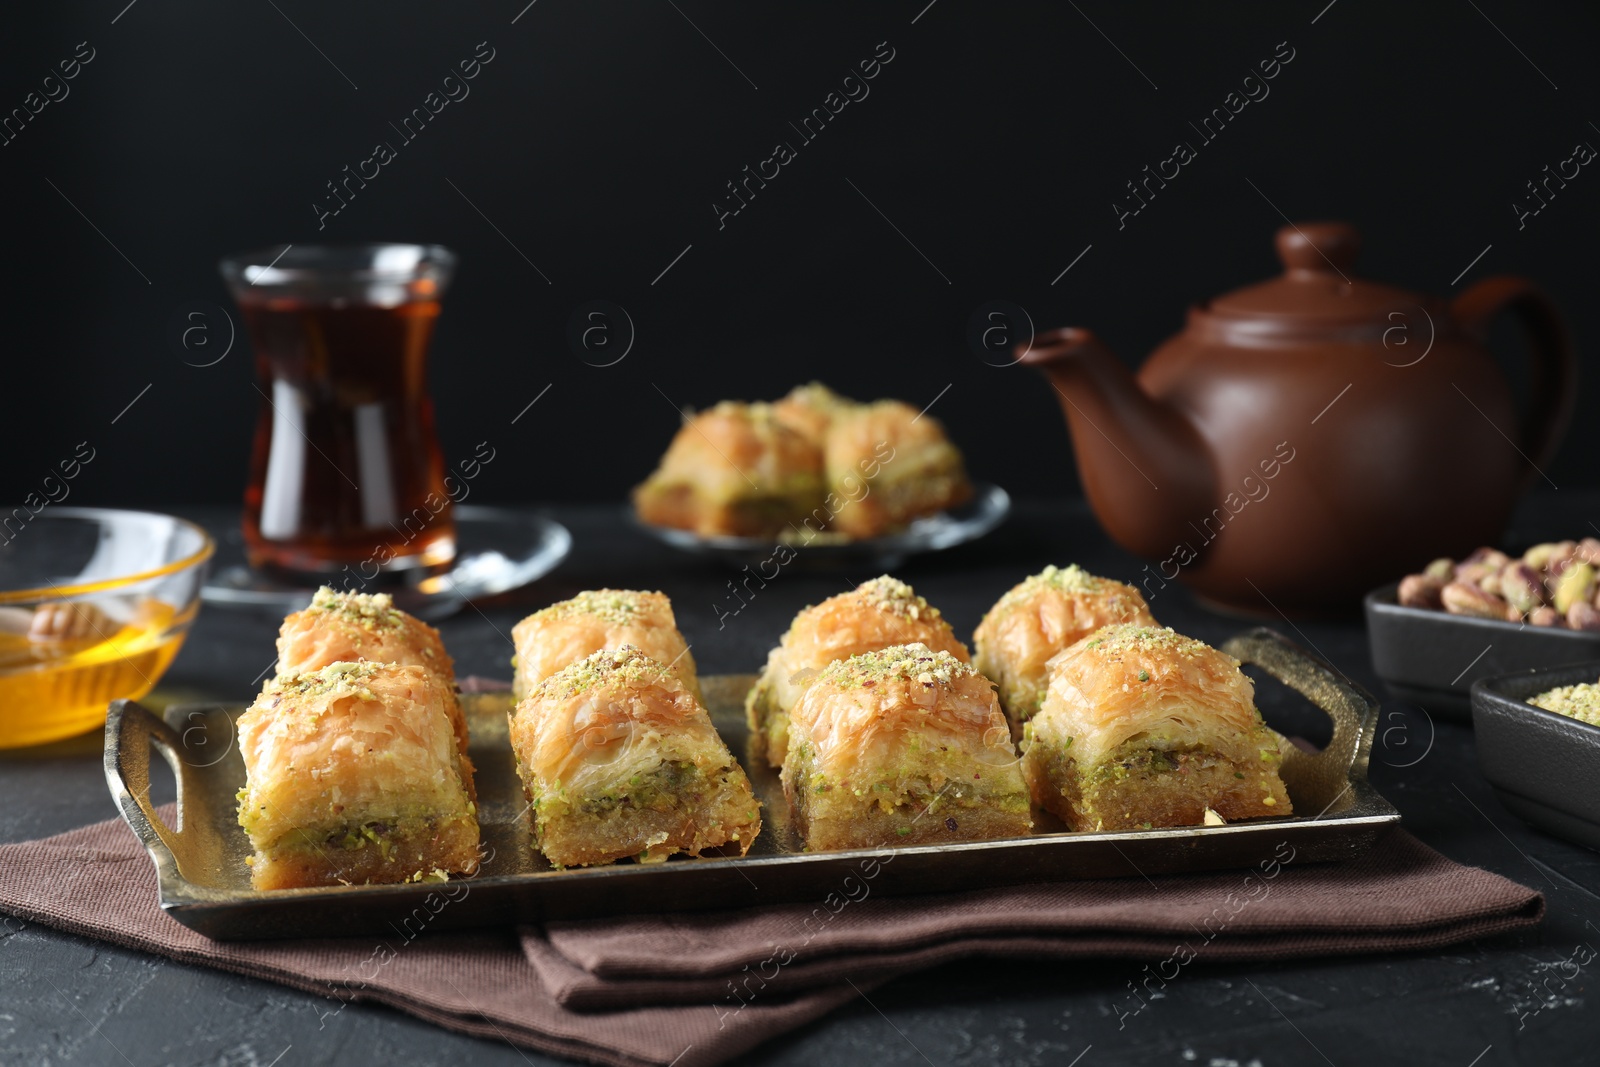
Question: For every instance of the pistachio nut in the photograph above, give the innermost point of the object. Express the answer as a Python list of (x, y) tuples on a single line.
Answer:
[(1583, 616), (1545, 616), (1465, 598), (1575, 584), (1421, 591), (1521, 586), (1492, 556), (1474, 573), (1539, 556), (1565, 554), (1443, 568), (1588, 550)]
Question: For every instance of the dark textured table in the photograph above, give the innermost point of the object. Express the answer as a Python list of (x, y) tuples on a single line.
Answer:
[(1503, 1001)]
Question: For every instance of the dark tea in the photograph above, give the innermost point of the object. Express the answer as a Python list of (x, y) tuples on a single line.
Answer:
[(346, 477)]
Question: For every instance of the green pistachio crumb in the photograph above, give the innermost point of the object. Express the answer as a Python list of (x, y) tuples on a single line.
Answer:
[(616, 606), (893, 595), (909, 663), (1581, 702), (366, 609)]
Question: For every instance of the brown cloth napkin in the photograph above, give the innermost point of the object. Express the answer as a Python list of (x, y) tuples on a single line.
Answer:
[(698, 989)]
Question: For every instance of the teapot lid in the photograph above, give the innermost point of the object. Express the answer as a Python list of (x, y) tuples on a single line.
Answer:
[(1316, 290)]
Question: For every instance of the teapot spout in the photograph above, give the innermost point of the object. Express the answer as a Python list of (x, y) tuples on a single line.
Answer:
[(1146, 470)]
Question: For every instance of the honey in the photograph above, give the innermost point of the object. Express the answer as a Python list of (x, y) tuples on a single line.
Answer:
[(60, 686)]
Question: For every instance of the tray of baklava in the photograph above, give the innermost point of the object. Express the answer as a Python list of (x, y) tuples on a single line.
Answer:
[(366, 791)]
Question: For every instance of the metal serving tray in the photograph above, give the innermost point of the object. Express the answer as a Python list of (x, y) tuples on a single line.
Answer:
[(204, 882)]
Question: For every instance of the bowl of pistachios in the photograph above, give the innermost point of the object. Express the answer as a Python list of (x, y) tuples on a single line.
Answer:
[(1436, 632)]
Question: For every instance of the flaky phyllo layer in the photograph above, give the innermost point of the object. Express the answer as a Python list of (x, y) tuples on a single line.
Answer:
[(1128, 680), (356, 757), (875, 615), (565, 632), (892, 463), (343, 627), (733, 469), (890, 740), (1038, 619), (619, 759), (1142, 726)]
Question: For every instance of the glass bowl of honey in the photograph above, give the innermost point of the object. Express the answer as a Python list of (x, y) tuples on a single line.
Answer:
[(94, 605)]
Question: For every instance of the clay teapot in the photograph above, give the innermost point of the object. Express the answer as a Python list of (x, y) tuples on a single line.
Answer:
[(1314, 435)]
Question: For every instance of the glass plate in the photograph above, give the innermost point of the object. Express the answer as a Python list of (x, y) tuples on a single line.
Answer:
[(987, 509), (497, 550)]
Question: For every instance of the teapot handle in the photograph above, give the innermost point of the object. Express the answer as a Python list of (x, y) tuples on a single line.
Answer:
[(1553, 387)]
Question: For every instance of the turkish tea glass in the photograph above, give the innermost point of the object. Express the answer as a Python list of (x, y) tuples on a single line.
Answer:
[(346, 477)]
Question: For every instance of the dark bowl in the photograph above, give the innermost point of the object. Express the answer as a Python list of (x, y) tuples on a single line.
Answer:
[(1432, 658), (1544, 766)]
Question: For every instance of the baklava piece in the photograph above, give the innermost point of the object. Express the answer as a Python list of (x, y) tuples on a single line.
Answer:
[(564, 633), (874, 615), (619, 759), (342, 627), (1143, 728), (810, 410), (735, 470), (892, 464), (353, 775), (903, 746), (1040, 617)]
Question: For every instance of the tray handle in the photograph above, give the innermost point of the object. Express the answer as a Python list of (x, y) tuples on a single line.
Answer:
[(130, 731), (1327, 776)]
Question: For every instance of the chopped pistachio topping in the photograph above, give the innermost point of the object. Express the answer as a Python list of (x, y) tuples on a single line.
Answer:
[(346, 676), (757, 410), (1112, 641), (1581, 702), (757, 413), (816, 393), (909, 663), (893, 595), (616, 606), (818, 397), (625, 663), (370, 609), (1069, 579)]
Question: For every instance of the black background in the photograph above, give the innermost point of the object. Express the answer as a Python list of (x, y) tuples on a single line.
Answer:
[(600, 135)]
